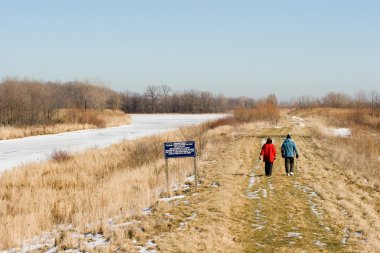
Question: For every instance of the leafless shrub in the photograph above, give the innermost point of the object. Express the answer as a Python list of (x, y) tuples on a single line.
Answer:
[(198, 134), (144, 152), (222, 122), (266, 109), (60, 156)]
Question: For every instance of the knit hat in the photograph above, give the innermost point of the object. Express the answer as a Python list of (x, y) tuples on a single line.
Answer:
[(288, 136)]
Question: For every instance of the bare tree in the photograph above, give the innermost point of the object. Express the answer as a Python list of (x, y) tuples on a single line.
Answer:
[(152, 94), (165, 94), (336, 100)]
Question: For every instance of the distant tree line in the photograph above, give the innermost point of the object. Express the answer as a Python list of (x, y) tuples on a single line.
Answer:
[(161, 99), (361, 100), (28, 102), (24, 102)]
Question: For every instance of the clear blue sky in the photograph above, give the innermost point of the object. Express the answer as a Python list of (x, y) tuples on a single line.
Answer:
[(249, 48)]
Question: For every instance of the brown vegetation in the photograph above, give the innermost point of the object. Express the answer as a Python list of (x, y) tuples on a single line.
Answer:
[(264, 110), (87, 188), (25, 102), (69, 120), (360, 152), (345, 117), (160, 99), (60, 156)]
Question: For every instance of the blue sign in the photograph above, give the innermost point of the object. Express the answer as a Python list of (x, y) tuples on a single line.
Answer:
[(179, 149)]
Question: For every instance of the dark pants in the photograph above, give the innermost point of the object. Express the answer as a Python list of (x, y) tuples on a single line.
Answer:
[(289, 164), (268, 168)]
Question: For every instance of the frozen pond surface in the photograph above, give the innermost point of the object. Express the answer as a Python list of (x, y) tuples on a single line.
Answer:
[(38, 148)]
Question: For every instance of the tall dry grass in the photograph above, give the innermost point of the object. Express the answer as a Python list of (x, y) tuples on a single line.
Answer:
[(88, 189), (81, 116), (344, 117), (69, 120), (262, 112), (359, 153)]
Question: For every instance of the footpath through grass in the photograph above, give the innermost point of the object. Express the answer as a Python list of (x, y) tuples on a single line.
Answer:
[(282, 217), (238, 209)]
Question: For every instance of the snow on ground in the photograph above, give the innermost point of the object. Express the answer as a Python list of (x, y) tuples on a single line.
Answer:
[(298, 121), (16, 152), (339, 132), (172, 198), (150, 247)]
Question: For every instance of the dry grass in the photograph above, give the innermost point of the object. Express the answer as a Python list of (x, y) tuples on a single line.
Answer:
[(114, 117), (348, 194), (88, 188), (70, 120), (261, 113), (359, 154), (80, 116), (116, 183), (344, 117)]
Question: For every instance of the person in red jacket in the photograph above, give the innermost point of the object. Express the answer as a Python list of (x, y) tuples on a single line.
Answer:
[(268, 153)]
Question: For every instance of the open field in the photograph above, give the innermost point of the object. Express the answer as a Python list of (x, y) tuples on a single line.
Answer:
[(71, 120), (111, 200)]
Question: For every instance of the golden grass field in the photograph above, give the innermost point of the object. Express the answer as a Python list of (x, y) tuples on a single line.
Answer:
[(330, 205)]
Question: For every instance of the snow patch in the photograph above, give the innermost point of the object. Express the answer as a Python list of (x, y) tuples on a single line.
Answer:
[(150, 247), (251, 180), (300, 124), (294, 235), (265, 193), (298, 121), (338, 132), (345, 236), (295, 118), (311, 195), (215, 184), (249, 193), (183, 224), (95, 240), (146, 211), (358, 234), (320, 244), (172, 198)]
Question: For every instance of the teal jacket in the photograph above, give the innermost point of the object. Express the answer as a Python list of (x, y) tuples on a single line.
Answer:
[(288, 148)]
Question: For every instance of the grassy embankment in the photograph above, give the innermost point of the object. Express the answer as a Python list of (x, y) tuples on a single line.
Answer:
[(87, 188), (349, 172), (69, 120), (359, 154)]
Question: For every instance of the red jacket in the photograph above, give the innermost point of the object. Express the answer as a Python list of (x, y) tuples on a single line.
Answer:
[(268, 151)]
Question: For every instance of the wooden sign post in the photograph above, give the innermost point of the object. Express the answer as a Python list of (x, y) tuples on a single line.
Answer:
[(178, 150)]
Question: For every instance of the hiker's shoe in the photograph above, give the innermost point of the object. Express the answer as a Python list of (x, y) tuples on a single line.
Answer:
[(287, 174), (291, 173)]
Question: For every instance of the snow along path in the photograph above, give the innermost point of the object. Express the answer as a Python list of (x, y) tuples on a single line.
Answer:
[(16, 152)]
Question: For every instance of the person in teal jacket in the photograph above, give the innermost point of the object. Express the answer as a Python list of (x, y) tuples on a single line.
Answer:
[(288, 151)]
